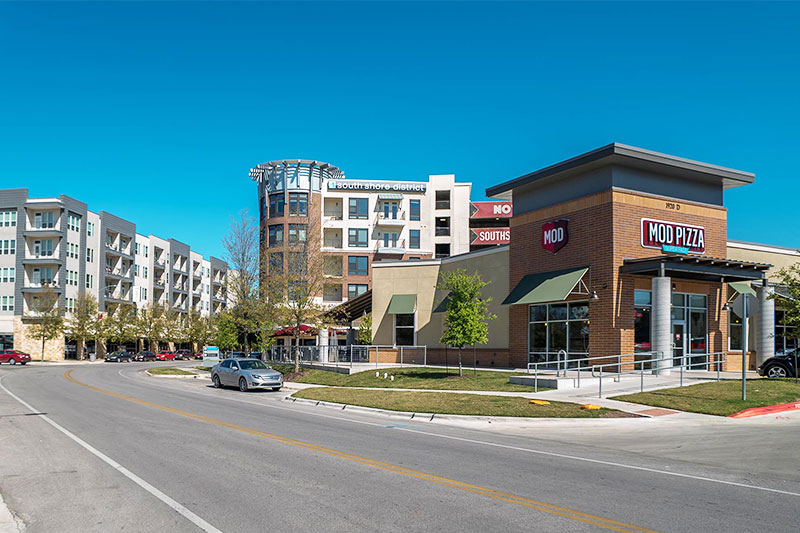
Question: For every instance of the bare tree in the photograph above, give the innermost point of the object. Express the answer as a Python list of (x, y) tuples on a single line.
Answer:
[(242, 253), (303, 279)]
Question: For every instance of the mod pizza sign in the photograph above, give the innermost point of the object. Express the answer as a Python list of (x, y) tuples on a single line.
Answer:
[(671, 236)]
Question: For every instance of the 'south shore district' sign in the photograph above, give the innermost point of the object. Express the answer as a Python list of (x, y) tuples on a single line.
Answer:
[(555, 235), (673, 237)]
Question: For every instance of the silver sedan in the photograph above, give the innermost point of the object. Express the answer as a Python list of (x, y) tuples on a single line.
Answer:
[(246, 374)]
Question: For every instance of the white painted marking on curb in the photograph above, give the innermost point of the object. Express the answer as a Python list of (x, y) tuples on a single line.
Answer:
[(189, 515), (516, 448)]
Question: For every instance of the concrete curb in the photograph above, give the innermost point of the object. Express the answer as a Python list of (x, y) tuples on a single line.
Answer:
[(193, 376), (432, 417), (8, 522)]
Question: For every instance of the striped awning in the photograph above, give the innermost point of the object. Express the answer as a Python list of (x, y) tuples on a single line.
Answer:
[(390, 196)]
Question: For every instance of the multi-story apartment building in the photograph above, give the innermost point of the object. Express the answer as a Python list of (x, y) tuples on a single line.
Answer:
[(59, 243), (359, 221)]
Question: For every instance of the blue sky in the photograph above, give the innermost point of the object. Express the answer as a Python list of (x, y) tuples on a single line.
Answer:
[(155, 111)]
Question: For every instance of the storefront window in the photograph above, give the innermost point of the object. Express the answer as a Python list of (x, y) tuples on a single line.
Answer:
[(404, 330), (555, 327), (735, 332), (785, 341), (642, 301)]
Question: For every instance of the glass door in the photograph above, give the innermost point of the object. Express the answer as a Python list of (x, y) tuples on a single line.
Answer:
[(394, 210), (678, 341)]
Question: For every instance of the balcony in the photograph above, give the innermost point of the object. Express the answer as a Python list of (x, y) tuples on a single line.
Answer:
[(392, 247), (159, 264), (117, 273), (117, 250), (41, 286), (40, 259), (118, 297), (390, 219), (42, 232), (158, 284)]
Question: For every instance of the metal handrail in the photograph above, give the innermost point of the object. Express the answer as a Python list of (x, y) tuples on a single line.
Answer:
[(718, 362)]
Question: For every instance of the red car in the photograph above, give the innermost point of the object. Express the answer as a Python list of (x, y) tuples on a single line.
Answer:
[(13, 357), (165, 356)]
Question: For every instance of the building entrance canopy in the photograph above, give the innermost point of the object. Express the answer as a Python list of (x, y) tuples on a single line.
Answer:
[(699, 268)]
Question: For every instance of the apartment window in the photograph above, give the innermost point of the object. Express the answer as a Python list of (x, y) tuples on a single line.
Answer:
[(390, 239), (44, 275), (146, 250), (8, 274), (442, 250), (7, 303), (442, 226), (276, 202), (72, 250), (357, 265), (8, 247), (143, 293), (357, 237), (442, 199), (74, 222), (358, 208), (355, 289), (72, 278), (332, 265), (275, 263), (413, 239), (297, 290), (404, 329), (297, 263), (90, 229), (44, 220), (276, 235), (89, 281), (332, 293), (414, 211), (8, 218), (136, 248), (135, 270), (298, 203), (297, 234), (144, 272), (89, 255), (70, 304), (43, 248)]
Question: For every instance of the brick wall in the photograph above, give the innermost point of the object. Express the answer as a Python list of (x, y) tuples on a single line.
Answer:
[(604, 230)]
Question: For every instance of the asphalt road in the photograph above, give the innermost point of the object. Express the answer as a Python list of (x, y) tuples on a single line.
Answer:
[(105, 448)]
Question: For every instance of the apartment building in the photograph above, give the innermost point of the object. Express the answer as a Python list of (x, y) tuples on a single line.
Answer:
[(360, 221), (59, 243)]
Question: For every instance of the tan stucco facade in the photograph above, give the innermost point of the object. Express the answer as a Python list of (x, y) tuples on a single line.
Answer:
[(776, 256), (420, 278)]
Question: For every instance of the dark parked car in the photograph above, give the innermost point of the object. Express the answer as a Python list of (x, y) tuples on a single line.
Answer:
[(180, 355), (145, 356), (255, 355), (13, 357), (237, 355), (780, 366), (119, 356)]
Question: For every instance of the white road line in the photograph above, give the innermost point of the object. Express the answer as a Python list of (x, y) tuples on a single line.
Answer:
[(189, 515), (497, 445)]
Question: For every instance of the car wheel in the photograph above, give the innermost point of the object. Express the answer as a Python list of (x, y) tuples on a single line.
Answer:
[(12, 361), (777, 371), (275, 389), (216, 382), (242, 384)]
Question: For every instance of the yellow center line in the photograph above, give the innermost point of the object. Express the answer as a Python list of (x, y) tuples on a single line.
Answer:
[(475, 489)]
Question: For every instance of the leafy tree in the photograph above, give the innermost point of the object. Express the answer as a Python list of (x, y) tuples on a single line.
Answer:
[(81, 323), (789, 297), (365, 329), (227, 335), (467, 320), (122, 324), (172, 329), (101, 332), (196, 329), (149, 325), (47, 316)]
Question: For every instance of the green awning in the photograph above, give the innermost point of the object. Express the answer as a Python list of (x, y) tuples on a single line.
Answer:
[(442, 307), (552, 286), (402, 304), (742, 287)]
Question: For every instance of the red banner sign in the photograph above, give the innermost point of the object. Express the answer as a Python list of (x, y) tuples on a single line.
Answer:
[(490, 235), (490, 210), (658, 234), (555, 235)]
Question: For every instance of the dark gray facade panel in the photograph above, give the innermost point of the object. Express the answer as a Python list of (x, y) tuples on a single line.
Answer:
[(544, 193), (707, 192)]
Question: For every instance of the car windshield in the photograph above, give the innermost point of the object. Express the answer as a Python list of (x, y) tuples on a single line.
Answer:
[(253, 365)]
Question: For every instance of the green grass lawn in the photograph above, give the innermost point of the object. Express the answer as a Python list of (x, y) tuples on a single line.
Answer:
[(722, 398), (169, 372), (453, 403), (413, 378), (202, 368)]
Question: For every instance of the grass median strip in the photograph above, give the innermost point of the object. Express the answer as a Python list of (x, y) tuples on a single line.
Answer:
[(453, 403), (722, 398), (169, 372), (413, 378)]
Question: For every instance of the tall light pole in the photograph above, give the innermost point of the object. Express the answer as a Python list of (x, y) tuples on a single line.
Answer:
[(744, 347)]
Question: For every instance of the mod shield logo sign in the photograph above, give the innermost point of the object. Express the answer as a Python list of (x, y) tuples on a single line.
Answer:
[(555, 235)]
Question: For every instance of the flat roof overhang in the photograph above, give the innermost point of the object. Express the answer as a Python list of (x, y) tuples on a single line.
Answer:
[(630, 156), (700, 268)]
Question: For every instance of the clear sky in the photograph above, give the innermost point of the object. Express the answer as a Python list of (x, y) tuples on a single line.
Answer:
[(155, 112)]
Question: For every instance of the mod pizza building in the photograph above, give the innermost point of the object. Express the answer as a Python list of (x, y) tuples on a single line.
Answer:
[(618, 251)]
